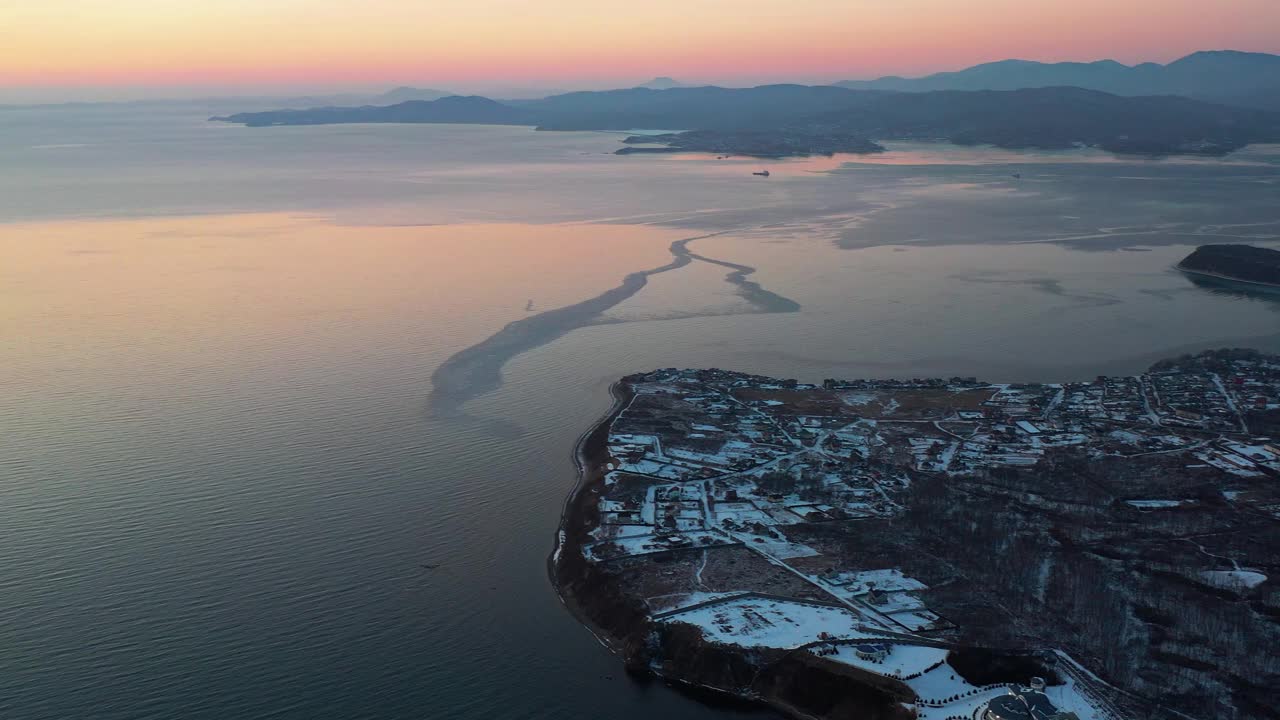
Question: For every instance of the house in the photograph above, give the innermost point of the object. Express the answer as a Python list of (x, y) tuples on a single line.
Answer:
[(1025, 703), (871, 652)]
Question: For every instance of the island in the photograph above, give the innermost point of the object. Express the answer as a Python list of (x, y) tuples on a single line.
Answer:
[(806, 119), (753, 143), (940, 548), (1235, 263)]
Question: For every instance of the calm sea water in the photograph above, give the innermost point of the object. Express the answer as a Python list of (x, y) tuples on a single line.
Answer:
[(221, 471)]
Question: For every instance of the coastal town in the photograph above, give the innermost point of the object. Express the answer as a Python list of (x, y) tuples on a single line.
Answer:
[(887, 529)]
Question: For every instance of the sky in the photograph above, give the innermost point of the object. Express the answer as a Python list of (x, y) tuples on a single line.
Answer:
[(89, 49)]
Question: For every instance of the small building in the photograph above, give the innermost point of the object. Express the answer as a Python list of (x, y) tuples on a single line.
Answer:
[(871, 652), (1027, 427)]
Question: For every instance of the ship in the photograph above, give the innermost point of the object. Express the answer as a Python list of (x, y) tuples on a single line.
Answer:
[(762, 173)]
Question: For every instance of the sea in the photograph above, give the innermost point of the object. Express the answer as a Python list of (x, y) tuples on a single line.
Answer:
[(286, 414)]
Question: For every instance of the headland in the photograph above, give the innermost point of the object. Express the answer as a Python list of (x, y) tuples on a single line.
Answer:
[(938, 548)]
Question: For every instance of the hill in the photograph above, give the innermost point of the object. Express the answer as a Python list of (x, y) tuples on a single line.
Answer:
[(1060, 117), (453, 109), (1244, 263), (1056, 117), (1241, 78), (704, 108)]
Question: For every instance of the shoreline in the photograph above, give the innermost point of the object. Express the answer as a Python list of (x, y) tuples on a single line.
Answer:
[(562, 536), (570, 533), (1271, 287), (706, 694)]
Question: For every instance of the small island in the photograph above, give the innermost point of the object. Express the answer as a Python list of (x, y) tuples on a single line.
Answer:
[(753, 143), (940, 548), (1236, 263)]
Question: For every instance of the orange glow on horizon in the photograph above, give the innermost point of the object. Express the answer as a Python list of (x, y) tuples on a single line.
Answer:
[(315, 42)]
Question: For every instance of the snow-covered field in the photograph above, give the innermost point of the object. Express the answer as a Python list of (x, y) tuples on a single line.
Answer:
[(764, 622), (887, 580), (1068, 698), (678, 601)]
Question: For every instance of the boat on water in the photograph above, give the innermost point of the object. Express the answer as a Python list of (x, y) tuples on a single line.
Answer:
[(762, 173)]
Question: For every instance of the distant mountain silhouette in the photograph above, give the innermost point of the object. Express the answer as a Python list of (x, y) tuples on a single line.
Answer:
[(765, 107), (405, 94), (453, 109), (1241, 78), (703, 108), (1056, 117), (1059, 117), (662, 83), (390, 97)]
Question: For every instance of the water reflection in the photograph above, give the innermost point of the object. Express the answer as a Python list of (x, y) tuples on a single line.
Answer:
[(1222, 287), (220, 483)]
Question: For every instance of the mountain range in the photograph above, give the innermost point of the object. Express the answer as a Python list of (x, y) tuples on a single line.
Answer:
[(1224, 76), (1207, 102)]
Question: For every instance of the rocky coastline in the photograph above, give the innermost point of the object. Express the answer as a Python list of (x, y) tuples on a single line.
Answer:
[(796, 684)]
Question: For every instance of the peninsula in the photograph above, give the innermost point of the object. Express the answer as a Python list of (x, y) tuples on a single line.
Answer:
[(940, 548), (1237, 263)]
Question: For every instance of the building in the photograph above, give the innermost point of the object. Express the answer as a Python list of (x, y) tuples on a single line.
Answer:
[(871, 652), (1024, 703)]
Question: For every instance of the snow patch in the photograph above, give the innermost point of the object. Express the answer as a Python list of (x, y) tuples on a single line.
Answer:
[(1233, 579)]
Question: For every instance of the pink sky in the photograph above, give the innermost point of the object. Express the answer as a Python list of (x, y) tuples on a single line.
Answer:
[(247, 45)]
